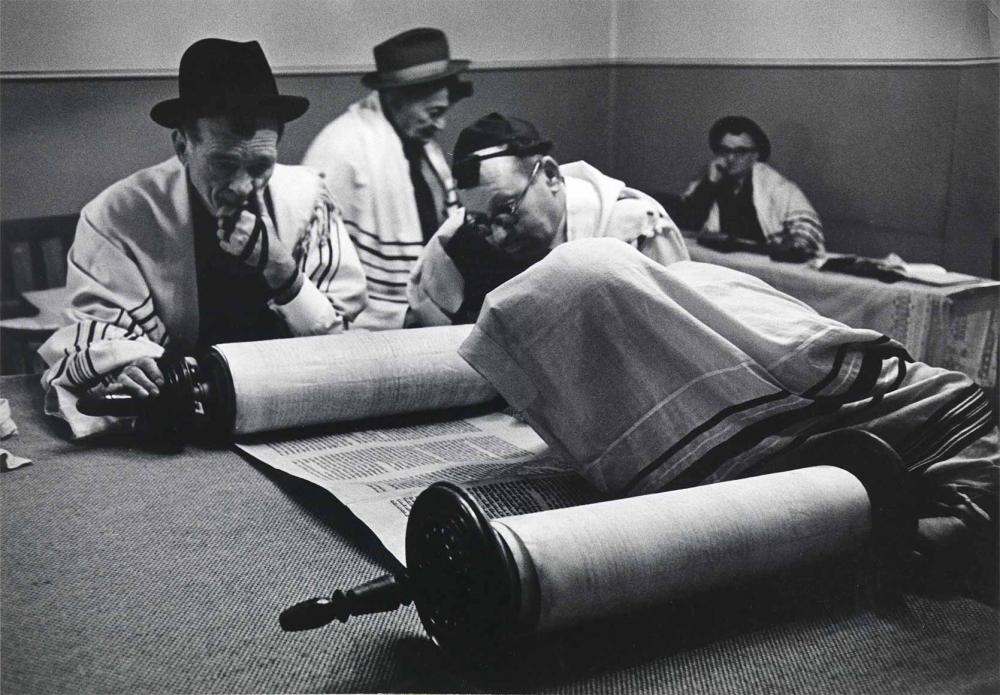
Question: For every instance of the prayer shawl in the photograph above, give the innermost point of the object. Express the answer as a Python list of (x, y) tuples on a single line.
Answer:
[(362, 158), (132, 273), (596, 206), (645, 377), (782, 209)]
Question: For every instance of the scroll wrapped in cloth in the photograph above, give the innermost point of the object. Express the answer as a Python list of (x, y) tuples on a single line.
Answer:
[(648, 377)]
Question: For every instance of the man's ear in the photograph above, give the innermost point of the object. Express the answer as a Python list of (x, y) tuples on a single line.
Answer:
[(180, 144), (553, 177)]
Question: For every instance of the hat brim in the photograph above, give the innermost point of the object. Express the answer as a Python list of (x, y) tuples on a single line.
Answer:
[(376, 80), (172, 112)]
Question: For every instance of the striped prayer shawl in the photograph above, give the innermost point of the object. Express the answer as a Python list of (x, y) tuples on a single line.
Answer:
[(782, 209), (362, 159), (645, 377), (132, 273)]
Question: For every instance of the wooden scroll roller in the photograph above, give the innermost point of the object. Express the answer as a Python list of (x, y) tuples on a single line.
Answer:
[(242, 388), (479, 584)]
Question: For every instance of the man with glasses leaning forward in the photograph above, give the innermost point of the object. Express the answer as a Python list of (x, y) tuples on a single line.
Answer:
[(519, 203), (740, 197)]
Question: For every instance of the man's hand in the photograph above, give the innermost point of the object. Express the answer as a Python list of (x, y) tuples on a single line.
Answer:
[(263, 250), (717, 169), (141, 379)]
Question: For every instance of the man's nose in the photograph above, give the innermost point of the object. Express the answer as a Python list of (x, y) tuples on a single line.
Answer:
[(438, 123), (242, 185)]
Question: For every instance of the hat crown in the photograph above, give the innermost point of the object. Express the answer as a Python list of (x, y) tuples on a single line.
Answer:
[(413, 47), (217, 76), (212, 69)]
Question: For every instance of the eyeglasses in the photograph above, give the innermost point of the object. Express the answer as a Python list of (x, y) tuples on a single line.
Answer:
[(506, 218), (738, 151)]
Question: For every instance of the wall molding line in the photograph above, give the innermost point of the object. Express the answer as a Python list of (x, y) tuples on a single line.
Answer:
[(488, 66)]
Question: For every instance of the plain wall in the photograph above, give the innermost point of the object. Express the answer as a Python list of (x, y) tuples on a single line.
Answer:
[(147, 36), (806, 30)]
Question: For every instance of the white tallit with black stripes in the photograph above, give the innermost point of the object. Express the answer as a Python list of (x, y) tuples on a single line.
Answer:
[(362, 158), (782, 209), (647, 377), (131, 270)]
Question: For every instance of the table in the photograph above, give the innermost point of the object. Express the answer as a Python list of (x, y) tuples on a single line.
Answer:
[(953, 327), (128, 570)]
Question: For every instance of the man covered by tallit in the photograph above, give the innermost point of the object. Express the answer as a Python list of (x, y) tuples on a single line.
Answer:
[(518, 203), (384, 166), (649, 377), (219, 244)]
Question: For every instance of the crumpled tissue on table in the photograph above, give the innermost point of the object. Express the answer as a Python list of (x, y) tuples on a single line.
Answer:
[(8, 428)]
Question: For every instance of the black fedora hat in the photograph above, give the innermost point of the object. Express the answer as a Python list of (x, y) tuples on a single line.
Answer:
[(417, 56), (219, 76)]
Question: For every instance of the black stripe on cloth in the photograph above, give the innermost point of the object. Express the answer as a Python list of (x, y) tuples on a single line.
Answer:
[(386, 283), (838, 362), (362, 247), (963, 398), (747, 438), (76, 339), (144, 319), (874, 351), (62, 366), (351, 223), (703, 427), (91, 369), (91, 332), (390, 271), (965, 417), (71, 372), (386, 298), (974, 424), (874, 356), (135, 309), (319, 275)]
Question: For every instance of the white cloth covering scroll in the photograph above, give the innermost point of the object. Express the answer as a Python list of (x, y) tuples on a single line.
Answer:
[(648, 378)]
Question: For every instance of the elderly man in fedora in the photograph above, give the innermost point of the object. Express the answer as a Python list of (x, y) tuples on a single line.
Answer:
[(519, 204), (218, 244), (740, 197), (384, 168)]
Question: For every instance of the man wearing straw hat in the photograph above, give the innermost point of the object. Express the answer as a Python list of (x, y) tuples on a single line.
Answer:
[(218, 244), (385, 169)]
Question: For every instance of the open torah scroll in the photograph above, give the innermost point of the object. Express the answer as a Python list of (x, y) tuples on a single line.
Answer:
[(378, 472)]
